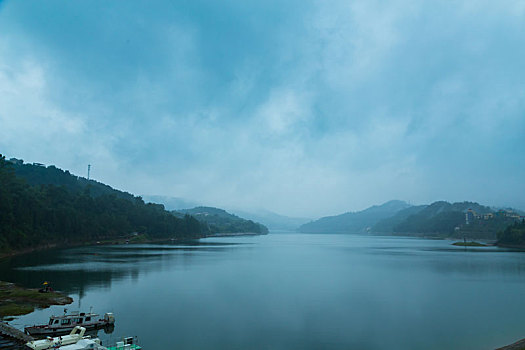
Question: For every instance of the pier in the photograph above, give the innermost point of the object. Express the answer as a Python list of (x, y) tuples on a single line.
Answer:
[(11, 332)]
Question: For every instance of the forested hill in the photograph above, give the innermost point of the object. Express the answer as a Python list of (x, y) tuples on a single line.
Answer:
[(39, 174), (513, 235), (444, 219), (71, 210), (220, 221), (356, 222)]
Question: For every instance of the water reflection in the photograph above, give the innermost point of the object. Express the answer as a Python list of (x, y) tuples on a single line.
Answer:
[(76, 270), (291, 292)]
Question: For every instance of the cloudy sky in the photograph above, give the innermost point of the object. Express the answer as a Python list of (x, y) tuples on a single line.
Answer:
[(306, 108)]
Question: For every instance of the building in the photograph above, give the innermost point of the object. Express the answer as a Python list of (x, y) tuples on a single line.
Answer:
[(469, 216)]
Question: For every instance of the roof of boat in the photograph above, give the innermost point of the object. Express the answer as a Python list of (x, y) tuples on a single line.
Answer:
[(76, 314)]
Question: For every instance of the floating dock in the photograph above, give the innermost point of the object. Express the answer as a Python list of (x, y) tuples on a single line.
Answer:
[(11, 332)]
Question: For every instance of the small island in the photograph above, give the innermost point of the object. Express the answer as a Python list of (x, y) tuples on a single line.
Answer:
[(469, 244), (16, 301)]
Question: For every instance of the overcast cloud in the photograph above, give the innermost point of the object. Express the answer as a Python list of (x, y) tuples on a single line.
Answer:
[(306, 108)]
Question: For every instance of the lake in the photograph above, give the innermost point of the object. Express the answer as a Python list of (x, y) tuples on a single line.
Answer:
[(290, 291)]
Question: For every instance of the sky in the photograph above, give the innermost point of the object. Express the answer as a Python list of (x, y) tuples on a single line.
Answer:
[(305, 108)]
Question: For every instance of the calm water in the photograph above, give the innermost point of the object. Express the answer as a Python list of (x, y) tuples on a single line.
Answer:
[(291, 291)]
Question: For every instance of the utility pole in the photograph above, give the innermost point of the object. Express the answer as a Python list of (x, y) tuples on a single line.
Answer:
[(89, 169)]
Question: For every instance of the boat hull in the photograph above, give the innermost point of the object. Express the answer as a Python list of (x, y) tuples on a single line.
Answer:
[(45, 330)]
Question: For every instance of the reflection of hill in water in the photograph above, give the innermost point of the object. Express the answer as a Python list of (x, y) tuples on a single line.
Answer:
[(75, 270)]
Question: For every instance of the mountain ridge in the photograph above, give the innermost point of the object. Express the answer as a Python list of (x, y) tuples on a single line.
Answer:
[(220, 221), (354, 222)]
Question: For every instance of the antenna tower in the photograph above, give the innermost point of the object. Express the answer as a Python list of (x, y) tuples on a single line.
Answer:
[(89, 170)]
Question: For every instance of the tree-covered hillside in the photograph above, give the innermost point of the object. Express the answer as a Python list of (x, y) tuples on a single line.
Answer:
[(220, 221), (513, 235), (51, 175), (357, 222), (43, 214), (443, 219), (387, 225)]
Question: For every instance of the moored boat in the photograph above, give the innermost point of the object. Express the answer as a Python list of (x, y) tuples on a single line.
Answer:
[(128, 343), (96, 344), (51, 343), (67, 322)]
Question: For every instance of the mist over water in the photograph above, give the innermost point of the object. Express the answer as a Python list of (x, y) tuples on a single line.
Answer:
[(290, 291)]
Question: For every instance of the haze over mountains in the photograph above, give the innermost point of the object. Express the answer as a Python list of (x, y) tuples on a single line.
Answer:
[(220, 221), (273, 220), (270, 219), (356, 222), (439, 219), (171, 203)]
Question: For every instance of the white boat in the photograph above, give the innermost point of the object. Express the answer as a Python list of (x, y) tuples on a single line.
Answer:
[(65, 323), (95, 344), (77, 341), (75, 336)]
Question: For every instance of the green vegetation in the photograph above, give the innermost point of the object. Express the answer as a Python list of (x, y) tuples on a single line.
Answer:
[(220, 221), (439, 218), (486, 228), (441, 224), (40, 175), (387, 225), (469, 244), (16, 301), (513, 235), (443, 219), (72, 210), (13, 309)]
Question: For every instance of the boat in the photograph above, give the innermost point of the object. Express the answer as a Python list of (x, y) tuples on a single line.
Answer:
[(127, 343), (50, 343), (95, 344), (84, 344), (67, 322)]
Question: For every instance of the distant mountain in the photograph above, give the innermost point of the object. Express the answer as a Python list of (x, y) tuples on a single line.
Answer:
[(444, 219), (387, 225), (356, 222), (272, 220), (170, 203), (220, 221)]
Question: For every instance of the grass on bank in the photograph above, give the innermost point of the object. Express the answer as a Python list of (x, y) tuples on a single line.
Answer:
[(16, 301)]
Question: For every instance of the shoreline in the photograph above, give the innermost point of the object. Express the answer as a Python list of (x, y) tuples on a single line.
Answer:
[(16, 300), (233, 234), (519, 345), (141, 239), (512, 246)]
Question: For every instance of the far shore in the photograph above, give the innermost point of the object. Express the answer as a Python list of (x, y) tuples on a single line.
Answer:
[(136, 239), (233, 234)]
